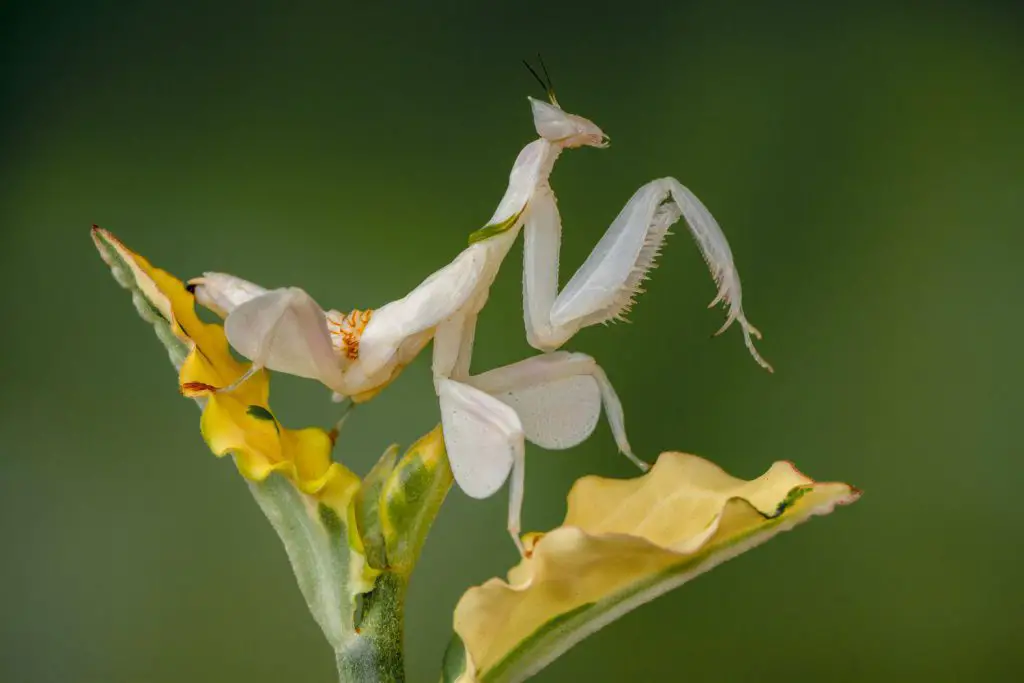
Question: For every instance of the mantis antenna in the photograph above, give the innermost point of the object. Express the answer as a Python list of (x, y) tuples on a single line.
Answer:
[(546, 83), (551, 81)]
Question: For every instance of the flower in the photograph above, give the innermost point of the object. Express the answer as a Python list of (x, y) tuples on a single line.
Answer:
[(238, 422), (623, 543)]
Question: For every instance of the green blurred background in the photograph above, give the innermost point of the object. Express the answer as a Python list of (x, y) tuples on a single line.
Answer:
[(865, 161)]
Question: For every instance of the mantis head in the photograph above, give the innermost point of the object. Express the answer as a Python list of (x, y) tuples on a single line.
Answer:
[(564, 129)]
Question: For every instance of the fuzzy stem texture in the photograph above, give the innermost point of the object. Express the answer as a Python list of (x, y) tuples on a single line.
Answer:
[(374, 654)]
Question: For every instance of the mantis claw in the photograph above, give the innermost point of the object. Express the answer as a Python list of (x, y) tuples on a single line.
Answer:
[(748, 331), (728, 323)]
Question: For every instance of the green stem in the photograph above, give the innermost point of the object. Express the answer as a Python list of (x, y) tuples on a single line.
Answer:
[(374, 654)]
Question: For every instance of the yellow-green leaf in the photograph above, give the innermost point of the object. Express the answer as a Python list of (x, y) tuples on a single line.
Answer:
[(624, 543), (411, 498), (366, 510)]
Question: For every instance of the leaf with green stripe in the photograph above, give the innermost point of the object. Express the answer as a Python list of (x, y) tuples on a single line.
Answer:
[(152, 304), (367, 510), (622, 544), (411, 498)]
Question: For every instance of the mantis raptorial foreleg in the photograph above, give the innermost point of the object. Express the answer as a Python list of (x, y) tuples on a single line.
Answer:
[(604, 287)]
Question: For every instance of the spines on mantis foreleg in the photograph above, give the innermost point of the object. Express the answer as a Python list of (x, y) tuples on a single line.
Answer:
[(647, 260), (604, 287), (715, 249)]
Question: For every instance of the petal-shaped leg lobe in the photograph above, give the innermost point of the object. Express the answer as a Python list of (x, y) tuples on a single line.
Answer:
[(555, 396), (483, 436), (558, 397), (286, 331), (558, 414)]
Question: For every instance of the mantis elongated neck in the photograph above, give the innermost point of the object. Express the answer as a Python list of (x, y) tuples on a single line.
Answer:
[(529, 175), (529, 172), (549, 156)]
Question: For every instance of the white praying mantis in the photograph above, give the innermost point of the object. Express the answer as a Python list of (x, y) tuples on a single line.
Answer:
[(553, 399)]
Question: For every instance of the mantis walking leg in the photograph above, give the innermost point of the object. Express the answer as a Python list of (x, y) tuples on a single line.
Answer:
[(553, 400), (558, 397)]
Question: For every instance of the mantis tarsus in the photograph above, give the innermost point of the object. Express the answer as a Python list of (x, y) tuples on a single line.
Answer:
[(553, 399)]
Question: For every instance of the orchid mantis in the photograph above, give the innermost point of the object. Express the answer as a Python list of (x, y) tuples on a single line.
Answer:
[(553, 399)]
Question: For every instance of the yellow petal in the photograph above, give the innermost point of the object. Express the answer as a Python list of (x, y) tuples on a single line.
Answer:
[(623, 543), (239, 422)]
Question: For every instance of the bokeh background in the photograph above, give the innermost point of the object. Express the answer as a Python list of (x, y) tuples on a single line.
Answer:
[(864, 159)]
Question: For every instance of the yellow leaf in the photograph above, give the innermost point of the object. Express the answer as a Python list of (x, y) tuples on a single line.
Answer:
[(623, 543)]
